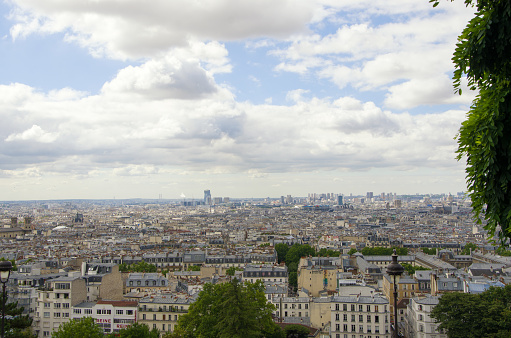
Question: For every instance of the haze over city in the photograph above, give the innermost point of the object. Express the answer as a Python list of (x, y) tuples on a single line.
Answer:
[(246, 98)]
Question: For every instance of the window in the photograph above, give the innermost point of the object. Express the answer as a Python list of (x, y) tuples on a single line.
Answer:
[(352, 307), (368, 308), (119, 312), (47, 305), (56, 305), (307, 306), (336, 316), (420, 317), (65, 305), (376, 319), (337, 327), (56, 315), (299, 306), (129, 312), (352, 328), (143, 316), (368, 318), (344, 307), (154, 317), (163, 327), (376, 308), (352, 318), (65, 314), (360, 308), (345, 327), (77, 311), (361, 328), (345, 317), (88, 311), (46, 315)]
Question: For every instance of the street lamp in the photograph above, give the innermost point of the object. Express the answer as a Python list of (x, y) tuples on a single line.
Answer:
[(5, 273), (396, 270)]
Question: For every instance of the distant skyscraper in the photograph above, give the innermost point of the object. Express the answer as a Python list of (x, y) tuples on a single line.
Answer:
[(207, 197), (339, 199), (369, 195)]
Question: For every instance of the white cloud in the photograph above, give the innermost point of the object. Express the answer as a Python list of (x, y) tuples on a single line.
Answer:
[(134, 29), (35, 133)]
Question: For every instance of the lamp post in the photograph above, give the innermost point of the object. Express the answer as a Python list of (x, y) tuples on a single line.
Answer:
[(5, 273), (395, 270)]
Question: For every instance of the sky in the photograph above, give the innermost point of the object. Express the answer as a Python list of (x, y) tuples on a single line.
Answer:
[(119, 99)]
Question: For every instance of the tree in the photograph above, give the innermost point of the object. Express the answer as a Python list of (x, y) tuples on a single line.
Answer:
[(328, 253), (352, 251), (412, 268), (464, 315), (282, 250), (483, 54), (83, 328), (138, 267), (226, 310), (193, 268), (16, 325), (232, 270), (137, 330), (469, 247), (381, 251), (429, 251), (296, 330)]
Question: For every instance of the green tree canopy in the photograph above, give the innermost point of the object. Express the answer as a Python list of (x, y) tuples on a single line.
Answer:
[(83, 328), (232, 270), (468, 247), (465, 315), (138, 267), (381, 251), (412, 268), (137, 330), (282, 250), (328, 253), (483, 54), (429, 251), (352, 251), (298, 331), (17, 325), (228, 310)]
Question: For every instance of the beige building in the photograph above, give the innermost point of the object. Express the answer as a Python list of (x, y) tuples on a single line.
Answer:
[(162, 312), (54, 303)]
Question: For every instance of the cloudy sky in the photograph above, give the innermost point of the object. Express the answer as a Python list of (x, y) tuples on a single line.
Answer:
[(125, 98)]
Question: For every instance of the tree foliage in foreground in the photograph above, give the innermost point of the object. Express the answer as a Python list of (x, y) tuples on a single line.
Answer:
[(137, 330), (483, 54), (83, 328), (464, 315), (17, 325), (229, 310)]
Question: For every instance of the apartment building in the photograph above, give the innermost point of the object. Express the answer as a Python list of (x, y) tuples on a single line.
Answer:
[(55, 301), (266, 273), (360, 316), (163, 312), (419, 323), (111, 315)]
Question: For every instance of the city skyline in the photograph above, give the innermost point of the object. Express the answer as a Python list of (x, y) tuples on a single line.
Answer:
[(101, 100)]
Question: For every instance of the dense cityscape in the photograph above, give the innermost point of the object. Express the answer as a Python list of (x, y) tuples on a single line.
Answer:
[(78, 259)]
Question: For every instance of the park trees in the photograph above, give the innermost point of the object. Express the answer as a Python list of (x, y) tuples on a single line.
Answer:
[(465, 315), (483, 55), (137, 330), (230, 309), (83, 328)]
